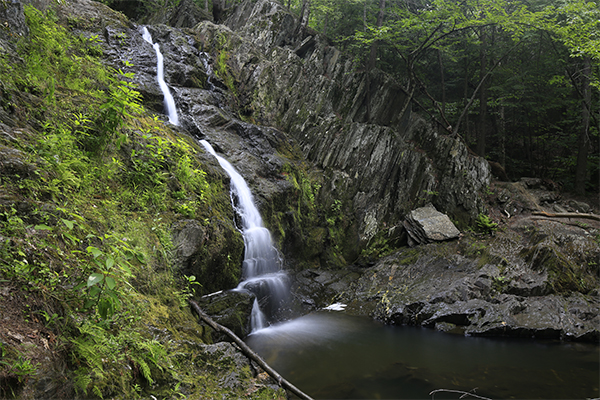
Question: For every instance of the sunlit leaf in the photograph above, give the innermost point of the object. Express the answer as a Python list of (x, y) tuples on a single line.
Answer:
[(94, 279)]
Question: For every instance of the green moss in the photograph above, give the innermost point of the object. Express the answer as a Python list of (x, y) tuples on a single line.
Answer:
[(563, 274)]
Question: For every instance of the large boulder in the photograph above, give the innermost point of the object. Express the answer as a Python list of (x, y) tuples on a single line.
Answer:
[(426, 225)]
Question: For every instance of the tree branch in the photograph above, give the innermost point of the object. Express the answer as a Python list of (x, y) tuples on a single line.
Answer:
[(464, 394), (249, 352), (566, 215)]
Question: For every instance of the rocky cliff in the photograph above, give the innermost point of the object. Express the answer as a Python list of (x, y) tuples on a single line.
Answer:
[(378, 161)]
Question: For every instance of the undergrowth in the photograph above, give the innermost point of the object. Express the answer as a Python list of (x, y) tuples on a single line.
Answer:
[(86, 221)]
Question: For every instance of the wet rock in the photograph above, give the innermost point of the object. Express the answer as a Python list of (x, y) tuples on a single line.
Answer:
[(231, 309), (434, 286), (188, 238), (211, 253), (13, 17), (426, 225)]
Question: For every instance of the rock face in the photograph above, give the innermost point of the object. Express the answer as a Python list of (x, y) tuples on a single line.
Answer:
[(383, 162), (378, 164), (534, 278)]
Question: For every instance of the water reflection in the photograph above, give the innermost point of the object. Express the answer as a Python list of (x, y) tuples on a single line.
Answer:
[(334, 356)]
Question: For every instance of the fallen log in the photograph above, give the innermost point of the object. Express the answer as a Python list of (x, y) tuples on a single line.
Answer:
[(566, 215), (249, 352)]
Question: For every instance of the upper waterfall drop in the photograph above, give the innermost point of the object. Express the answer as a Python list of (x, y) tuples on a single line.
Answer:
[(160, 76)]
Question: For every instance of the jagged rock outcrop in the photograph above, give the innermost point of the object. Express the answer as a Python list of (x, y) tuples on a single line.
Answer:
[(536, 277), (382, 162), (379, 166)]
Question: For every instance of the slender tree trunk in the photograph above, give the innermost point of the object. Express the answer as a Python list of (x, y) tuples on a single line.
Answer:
[(466, 102), (365, 16), (583, 140), (443, 83), (373, 58), (206, 5), (481, 130), (375, 44), (217, 10), (502, 134)]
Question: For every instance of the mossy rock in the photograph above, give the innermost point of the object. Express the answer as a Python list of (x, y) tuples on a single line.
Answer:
[(231, 309), (563, 275)]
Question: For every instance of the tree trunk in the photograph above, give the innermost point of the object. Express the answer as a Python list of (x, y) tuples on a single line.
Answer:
[(206, 5), (375, 44), (502, 136), (481, 130), (583, 140), (373, 58), (218, 9), (365, 16), (443, 83)]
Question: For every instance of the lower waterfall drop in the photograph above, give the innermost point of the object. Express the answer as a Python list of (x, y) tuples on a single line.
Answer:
[(261, 270)]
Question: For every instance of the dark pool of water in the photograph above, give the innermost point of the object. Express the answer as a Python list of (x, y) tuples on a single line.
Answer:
[(330, 355)]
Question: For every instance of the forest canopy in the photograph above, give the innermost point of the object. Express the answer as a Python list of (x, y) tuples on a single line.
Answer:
[(517, 80)]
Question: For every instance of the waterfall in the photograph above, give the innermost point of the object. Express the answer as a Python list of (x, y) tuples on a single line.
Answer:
[(261, 269), (160, 76)]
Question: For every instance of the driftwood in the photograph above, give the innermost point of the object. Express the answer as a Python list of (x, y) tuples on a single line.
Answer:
[(249, 352), (464, 394), (566, 215)]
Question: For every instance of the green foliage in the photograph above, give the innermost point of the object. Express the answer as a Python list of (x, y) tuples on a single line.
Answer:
[(485, 224), (86, 236), (103, 353), (21, 367)]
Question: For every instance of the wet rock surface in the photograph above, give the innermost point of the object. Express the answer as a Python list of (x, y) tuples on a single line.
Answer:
[(535, 277), (231, 309)]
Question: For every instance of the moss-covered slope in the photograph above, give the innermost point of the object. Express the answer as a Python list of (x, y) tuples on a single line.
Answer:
[(91, 186)]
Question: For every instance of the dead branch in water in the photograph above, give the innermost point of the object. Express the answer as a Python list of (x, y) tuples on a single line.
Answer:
[(463, 393), (249, 352)]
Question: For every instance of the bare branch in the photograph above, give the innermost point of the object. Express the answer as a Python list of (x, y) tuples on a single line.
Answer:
[(432, 394), (249, 352)]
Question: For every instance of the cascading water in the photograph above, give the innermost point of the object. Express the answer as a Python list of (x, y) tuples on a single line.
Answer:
[(261, 270), (160, 76)]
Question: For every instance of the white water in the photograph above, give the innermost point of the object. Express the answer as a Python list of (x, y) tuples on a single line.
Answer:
[(261, 270), (160, 76)]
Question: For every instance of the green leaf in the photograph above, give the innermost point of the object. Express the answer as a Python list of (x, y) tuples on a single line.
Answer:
[(88, 304), (105, 308), (95, 291), (125, 267), (95, 251), (94, 279), (110, 262), (110, 282), (69, 224), (42, 227)]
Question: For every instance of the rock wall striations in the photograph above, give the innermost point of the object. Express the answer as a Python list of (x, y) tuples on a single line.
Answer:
[(375, 158)]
